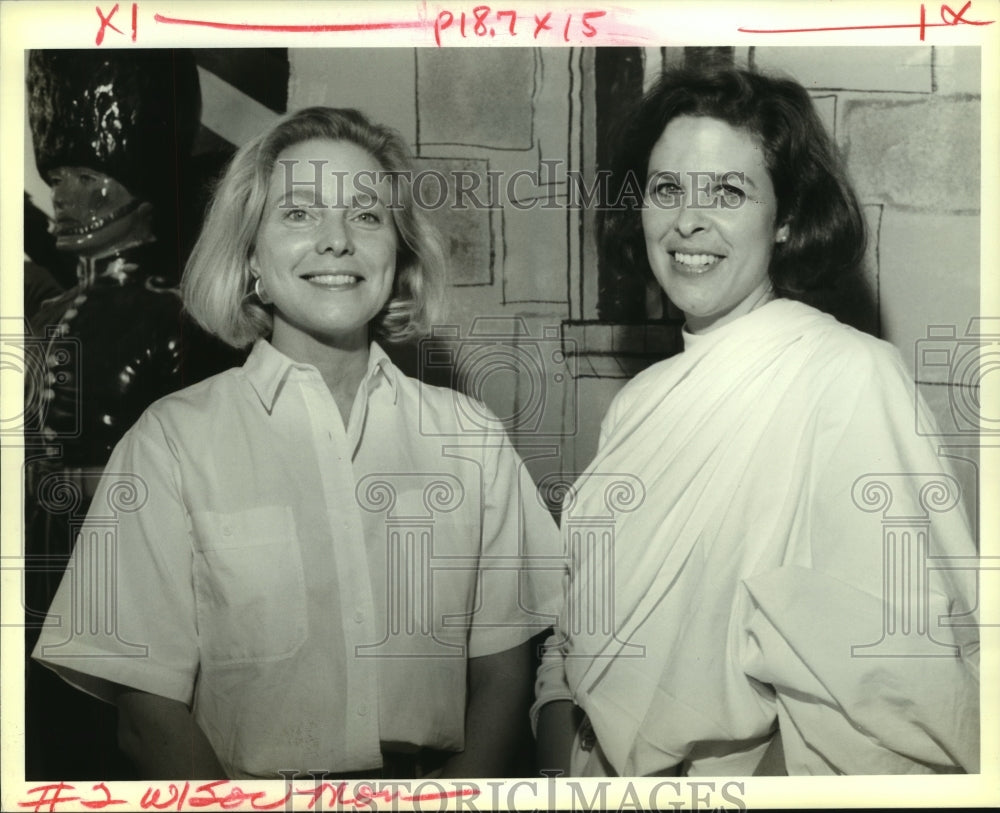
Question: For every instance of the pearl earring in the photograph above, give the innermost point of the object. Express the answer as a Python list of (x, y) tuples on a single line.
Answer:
[(261, 294)]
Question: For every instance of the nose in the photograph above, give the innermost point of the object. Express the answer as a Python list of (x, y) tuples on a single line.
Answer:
[(335, 235), (63, 193), (690, 217)]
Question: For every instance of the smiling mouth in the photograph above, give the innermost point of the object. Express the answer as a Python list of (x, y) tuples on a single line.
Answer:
[(695, 263), (330, 280)]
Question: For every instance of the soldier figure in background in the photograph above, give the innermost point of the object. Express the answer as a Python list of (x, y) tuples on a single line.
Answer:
[(111, 131)]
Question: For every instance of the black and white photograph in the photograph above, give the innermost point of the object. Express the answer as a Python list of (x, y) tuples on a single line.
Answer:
[(416, 406)]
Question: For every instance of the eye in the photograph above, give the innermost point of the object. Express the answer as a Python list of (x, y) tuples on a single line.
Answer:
[(368, 216), (732, 195), (666, 193), (295, 215)]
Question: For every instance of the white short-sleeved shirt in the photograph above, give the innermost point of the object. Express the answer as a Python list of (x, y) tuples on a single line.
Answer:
[(313, 591)]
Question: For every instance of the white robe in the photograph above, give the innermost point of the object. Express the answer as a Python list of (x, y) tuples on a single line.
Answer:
[(750, 553)]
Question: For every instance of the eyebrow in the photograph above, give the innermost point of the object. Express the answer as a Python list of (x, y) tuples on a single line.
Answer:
[(747, 179), (719, 176), (298, 196), (302, 197)]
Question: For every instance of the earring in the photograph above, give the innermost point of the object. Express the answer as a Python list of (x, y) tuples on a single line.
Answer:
[(261, 295), (781, 238)]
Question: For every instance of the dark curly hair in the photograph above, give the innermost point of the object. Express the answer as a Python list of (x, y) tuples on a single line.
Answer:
[(826, 228)]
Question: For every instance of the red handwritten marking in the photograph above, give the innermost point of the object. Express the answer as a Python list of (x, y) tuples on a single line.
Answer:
[(957, 18), (588, 29), (105, 23), (513, 20), (289, 29), (220, 794), (46, 799), (100, 804), (483, 16), (235, 798), (151, 798), (51, 796), (135, 20)]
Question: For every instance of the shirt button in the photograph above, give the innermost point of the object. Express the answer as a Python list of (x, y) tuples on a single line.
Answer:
[(362, 710), (359, 617), (227, 531)]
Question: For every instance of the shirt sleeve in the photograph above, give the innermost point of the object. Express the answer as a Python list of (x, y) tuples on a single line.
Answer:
[(550, 680), (518, 591), (125, 610), (868, 645)]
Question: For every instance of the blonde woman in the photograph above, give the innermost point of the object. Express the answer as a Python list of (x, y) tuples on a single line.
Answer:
[(259, 574)]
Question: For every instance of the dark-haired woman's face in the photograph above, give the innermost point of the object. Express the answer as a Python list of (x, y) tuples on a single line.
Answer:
[(709, 219)]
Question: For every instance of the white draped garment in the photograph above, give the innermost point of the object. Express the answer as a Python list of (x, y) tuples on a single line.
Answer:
[(773, 508)]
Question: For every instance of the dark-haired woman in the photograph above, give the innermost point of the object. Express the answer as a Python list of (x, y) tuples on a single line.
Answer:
[(768, 604)]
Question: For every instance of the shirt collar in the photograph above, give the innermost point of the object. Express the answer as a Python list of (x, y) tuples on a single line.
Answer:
[(267, 369)]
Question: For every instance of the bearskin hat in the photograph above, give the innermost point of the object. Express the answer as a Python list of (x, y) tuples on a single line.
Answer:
[(131, 114)]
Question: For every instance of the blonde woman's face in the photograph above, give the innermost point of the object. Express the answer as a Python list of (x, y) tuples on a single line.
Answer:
[(325, 250)]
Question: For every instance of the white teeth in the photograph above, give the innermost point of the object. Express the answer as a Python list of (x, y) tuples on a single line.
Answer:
[(696, 259), (333, 279)]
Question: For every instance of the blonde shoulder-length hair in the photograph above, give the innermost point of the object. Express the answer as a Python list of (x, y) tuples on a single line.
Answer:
[(217, 285)]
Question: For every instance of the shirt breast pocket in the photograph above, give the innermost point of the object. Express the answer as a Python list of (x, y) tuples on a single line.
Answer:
[(249, 585)]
